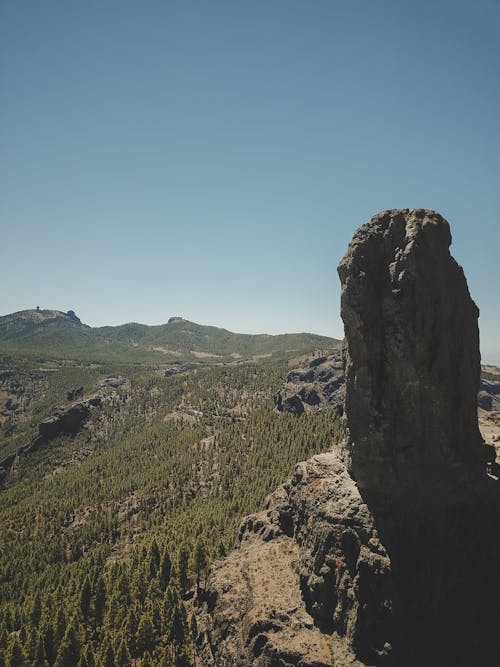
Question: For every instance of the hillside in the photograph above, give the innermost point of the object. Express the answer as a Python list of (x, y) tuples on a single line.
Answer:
[(125, 471), (55, 334)]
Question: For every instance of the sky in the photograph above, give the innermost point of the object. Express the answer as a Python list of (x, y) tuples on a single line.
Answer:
[(212, 159)]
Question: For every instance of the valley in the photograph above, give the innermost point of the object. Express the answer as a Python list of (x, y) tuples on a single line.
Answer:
[(121, 480)]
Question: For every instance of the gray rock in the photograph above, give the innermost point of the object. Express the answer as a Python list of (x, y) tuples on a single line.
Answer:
[(485, 400), (115, 382), (309, 395), (73, 394), (72, 316), (293, 404), (68, 421), (412, 360)]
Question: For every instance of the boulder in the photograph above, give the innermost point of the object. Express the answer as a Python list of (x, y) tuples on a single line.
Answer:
[(114, 382), (485, 400), (293, 404)]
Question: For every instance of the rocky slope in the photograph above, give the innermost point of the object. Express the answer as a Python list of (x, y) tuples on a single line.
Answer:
[(385, 551)]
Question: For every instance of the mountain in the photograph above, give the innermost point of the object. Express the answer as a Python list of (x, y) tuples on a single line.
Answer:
[(130, 457), (121, 480), (56, 334)]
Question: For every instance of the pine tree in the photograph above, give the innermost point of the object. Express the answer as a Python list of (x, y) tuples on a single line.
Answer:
[(165, 570), (36, 610), (122, 589), (99, 601), (68, 654), (49, 643), (182, 567), (199, 561), (60, 628), (123, 655), (40, 658), (15, 654), (113, 612), (108, 656), (85, 598), (154, 560), (145, 639), (193, 627), (88, 655), (166, 660), (131, 625), (176, 631)]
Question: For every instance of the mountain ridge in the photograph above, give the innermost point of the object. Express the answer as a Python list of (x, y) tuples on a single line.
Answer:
[(53, 331)]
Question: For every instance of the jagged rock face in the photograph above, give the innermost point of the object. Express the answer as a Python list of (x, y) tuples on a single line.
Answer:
[(320, 383), (310, 583), (412, 358)]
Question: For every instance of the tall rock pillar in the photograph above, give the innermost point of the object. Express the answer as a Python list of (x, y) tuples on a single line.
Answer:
[(412, 356)]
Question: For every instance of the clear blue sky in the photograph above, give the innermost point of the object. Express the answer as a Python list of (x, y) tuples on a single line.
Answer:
[(213, 159)]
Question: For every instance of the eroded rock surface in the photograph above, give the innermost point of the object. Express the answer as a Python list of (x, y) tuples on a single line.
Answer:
[(310, 583), (412, 361), (320, 383), (68, 420)]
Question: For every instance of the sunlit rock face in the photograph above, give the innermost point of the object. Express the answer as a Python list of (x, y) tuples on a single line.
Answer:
[(412, 355)]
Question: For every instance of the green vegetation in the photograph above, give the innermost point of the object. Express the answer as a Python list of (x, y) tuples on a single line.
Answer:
[(106, 537), (56, 336)]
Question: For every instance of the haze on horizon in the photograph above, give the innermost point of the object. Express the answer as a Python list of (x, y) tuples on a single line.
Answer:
[(212, 160)]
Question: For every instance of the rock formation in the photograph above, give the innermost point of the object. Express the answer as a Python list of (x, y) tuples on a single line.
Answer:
[(68, 420), (412, 360), (310, 583), (384, 551), (71, 315), (320, 383)]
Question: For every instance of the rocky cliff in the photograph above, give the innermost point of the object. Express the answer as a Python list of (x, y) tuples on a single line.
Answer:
[(412, 359), (383, 552)]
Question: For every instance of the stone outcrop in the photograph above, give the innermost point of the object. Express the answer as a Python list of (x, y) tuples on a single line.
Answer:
[(74, 394), (320, 383), (71, 315), (65, 421), (310, 583), (115, 382), (489, 395), (385, 551), (68, 421), (412, 360)]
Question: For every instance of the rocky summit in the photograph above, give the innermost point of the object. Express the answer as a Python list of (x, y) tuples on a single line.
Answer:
[(384, 551)]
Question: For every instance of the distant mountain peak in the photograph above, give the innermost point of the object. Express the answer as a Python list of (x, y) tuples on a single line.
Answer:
[(72, 316)]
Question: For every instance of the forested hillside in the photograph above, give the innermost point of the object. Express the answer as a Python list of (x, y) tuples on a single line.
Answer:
[(54, 334), (106, 533)]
